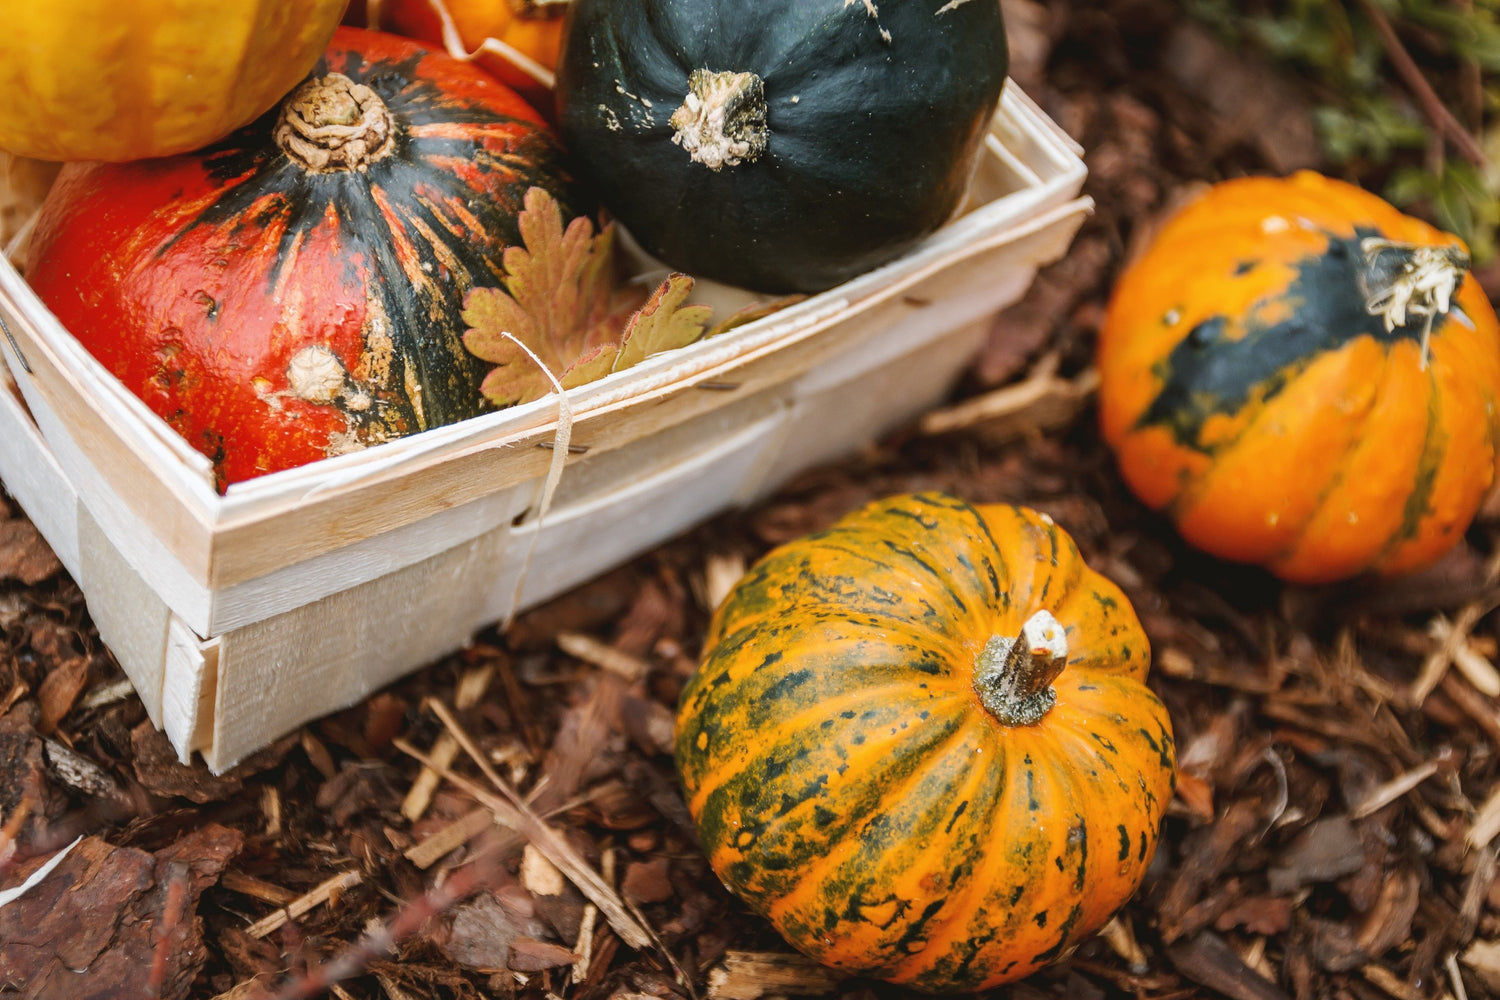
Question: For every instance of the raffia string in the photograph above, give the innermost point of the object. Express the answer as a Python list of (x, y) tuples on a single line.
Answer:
[(561, 438)]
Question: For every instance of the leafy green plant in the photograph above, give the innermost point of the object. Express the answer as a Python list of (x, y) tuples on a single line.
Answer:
[(1372, 123)]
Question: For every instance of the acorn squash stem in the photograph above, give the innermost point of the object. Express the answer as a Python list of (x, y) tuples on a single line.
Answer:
[(331, 123), (1405, 281), (722, 121), (1014, 675)]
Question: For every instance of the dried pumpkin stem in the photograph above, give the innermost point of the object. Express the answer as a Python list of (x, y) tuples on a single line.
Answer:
[(1404, 281), (1014, 676), (722, 121), (331, 123)]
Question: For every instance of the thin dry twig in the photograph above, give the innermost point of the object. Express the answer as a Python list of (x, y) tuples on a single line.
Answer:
[(255, 888), (171, 920), (451, 837), (1392, 790), (1435, 667), (602, 655), (512, 811), (1042, 388), (471, 688), (304, 903), (1432, 105), (382, 939)]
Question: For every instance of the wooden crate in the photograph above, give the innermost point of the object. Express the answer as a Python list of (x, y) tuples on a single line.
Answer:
[(240, 616)]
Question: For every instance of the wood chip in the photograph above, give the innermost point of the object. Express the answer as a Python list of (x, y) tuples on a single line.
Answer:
[(304, 904), (648, 881), (585, 946), (1474, 665), (747, 975), (1391, 983), (512, 811), (1483, 957), (1208, 960), (1119, 934), (1476, 892), (471, 687), (602, 655), (1388, 923), (530, 955), (1328, 849), (721, 571), (1475, 705), (1440, 659), (538, 875), (1042, 401), (255, 888), (1392, 790), (419, 796), (24, 553), (79, 773), (250, 989), (1486, 823), (270, 809), (107, 694), (450, 838), (392, 989), (59, 691)]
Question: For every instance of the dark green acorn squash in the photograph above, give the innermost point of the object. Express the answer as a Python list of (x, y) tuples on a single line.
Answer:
[(780, 145)]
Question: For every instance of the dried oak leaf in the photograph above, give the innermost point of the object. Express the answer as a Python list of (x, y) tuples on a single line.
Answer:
[(560, 298)]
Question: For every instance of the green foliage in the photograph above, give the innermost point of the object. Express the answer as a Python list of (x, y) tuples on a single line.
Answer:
[(1368, 121)]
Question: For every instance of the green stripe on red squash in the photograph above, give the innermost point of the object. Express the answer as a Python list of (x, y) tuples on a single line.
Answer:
[(842, 749), (295, 291)]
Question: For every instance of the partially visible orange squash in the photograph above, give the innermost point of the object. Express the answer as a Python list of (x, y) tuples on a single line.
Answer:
[(1303, 378), (105, 80), (516, 40)]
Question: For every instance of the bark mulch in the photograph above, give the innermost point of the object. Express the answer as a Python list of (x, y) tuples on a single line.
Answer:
[(507, 823)]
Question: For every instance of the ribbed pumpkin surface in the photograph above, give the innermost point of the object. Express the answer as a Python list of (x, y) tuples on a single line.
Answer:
[(1249, 392), (849, 785), (296, 291), (125, 79)]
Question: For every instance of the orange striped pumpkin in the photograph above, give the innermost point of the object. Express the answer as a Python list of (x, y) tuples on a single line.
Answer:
[(921, 745)]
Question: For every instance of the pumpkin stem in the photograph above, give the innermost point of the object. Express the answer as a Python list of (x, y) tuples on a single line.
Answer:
[(1014, 676), (331, 123), (722, 121), (1404, 280)]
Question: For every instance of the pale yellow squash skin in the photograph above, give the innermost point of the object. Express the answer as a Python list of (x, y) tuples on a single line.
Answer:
[(129, 79)]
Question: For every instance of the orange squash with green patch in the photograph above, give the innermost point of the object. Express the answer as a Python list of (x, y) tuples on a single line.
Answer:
[(1302, 377), (920, 743)]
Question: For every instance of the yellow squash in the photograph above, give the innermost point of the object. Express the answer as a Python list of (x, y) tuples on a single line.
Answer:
[(113, 80)]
